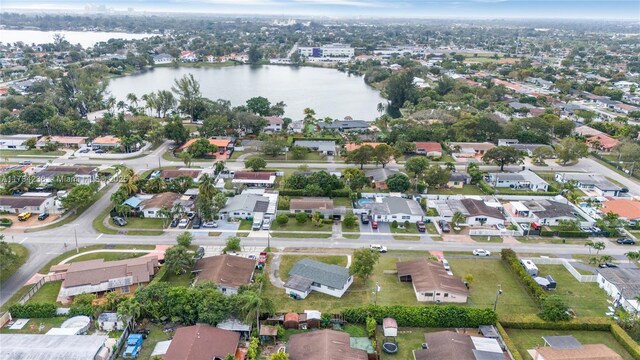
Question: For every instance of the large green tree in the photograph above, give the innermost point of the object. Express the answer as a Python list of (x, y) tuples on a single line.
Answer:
[(201, 148), (361, 155), (398, 182), (259, 105), (503, 155), (571, 149), (363, 262), (188, 89), (178, 259)]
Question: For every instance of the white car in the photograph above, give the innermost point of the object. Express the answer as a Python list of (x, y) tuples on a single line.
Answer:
[(524, 227), (183, 223), (379, 248), (481, 252), (210, 224), (500, 227), (266, 224)]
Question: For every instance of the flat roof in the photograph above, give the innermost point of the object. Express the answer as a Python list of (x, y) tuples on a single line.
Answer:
[(50, 347)]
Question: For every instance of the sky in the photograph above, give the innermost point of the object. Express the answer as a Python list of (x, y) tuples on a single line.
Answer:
[(569, 9)]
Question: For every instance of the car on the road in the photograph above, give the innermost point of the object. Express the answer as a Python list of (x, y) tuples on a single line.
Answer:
[(374, 225), (210, 224), (84, 150), (119, 221), (608, 265), (500, 227), (266, 224), (43, 216), (197, 222), (199, 253), (174, 222), (626, 241), (25, 162), (182, 224), (420, 226), (99, 151), (378, 248), (481, 252)]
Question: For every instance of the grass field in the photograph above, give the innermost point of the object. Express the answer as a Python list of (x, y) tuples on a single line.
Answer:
[(404, 233), (586, 299), (309, 157), (36, 326), (179, 280), (408, 339), (487, 239), (293, 225), (355, 229), (487, 275), (291, 235), (108, 256), (37, 152), (47, 293), (466, 190), (529, 339), (392, 291), (139, 223), (22, 254), (342, 201)]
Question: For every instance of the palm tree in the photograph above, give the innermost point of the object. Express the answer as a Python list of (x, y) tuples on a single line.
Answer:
[(598, 246), (155, 185), (206, 186), (633, 255), (178, 210), (380, 108), (123, 210), (131, 181), (132, 99), (165, 214), (590, 244), (252, 304), (458, 218), (129, 309)]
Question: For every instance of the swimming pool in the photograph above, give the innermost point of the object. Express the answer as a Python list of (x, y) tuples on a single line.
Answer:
[(365, 201)]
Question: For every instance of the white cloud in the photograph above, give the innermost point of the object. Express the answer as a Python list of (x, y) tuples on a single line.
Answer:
[(352, 3)]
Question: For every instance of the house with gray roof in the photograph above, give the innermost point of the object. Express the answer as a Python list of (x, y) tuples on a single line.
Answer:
[(245, 205), (345, 125), (322, 146), (586, 181), (550, 212), (388, 209), (309, 275), (523, 180), (623, 285)]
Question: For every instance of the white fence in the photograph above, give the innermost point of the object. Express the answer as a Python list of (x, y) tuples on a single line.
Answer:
[(489, 232), (567, 265)]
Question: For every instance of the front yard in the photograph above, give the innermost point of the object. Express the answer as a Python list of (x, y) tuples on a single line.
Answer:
[(466, 190), (294, 225), (142, 223), (404, 233)]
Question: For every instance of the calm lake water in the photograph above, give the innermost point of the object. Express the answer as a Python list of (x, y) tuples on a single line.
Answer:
[(327, 91), (86, 39)]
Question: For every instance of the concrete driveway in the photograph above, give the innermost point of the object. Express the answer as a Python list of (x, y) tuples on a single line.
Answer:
[(371, 235)]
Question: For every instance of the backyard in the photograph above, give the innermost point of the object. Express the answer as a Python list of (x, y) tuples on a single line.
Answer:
[(487, 275), (529, 339), (108, 256), (466, 190), (47, 293)]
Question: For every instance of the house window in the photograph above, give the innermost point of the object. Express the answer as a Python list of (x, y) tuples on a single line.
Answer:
[(406, 217), (456, 183), (125, 289), (224, 290), (446, 294), (481, 219), (151, 212), (236, 213), (315, 284), (393, 217), (428, 294)]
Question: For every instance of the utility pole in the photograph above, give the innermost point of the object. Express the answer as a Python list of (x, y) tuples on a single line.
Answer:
[(376, 291), (76, 236), (498, 293)]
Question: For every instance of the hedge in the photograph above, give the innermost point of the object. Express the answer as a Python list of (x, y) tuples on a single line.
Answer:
[(626, 341), (33, 310), (341, 193), (573, 234), (509, 343), (510, 259), (6, 222), (485, 188), (291, 192), (160, 276), (532, 321), (435, 316)]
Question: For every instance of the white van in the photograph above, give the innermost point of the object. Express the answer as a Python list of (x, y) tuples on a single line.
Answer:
[(445, 263)]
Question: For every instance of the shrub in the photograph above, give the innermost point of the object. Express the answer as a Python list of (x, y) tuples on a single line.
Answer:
[(626, 341), (437, 316), (371, 327), (4, 222), (573, 234), (554, 309), (301, 218), (511, 346), (341, 193), (485, 188), (33, 310), (291, 192), (532, 321), (282, 219), (394, 224), (510, 259), (349, 220)]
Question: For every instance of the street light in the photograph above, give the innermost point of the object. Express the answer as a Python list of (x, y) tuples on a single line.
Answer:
[(498, 293), (375, 292)]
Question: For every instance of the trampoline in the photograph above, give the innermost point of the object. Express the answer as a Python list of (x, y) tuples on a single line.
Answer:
[(390, 348)]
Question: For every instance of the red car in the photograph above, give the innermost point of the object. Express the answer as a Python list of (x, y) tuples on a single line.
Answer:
[(374, 224)]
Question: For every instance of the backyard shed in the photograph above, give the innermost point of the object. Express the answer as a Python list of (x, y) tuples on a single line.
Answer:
[(390, 327), (109, 322), (268, 332), (313, 319), (291, 321)]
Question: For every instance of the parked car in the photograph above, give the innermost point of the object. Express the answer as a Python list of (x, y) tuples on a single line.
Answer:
[(379, 248), (624, 190), (200, 252), (481, 252), (191, 215), (500, 227), (445, 263), (119, 221), (608, 265), (43, 216), (24, 216), (182, 224), (197, 222), (374, 224), (99, 151), (266, 224), (84, 150), (421, 227), (525, 227), (174, 222), (210, 224), (364, 218), (585, 229), (444, 226), (221, 151), (626, 241)]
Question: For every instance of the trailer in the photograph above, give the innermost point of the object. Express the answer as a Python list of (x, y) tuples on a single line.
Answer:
[(530, 267)]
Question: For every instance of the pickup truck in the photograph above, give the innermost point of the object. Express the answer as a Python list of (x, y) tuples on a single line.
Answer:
[(134, 344)]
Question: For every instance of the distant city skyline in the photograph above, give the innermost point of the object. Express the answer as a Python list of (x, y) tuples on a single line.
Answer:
[(525, 9)]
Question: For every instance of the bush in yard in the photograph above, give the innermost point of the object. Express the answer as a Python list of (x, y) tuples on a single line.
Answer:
[(233, 244), (407, 224), (33, 310), (282, 219), (349, 220), (532, 321), (185, 239), (371, 327), (301, 218), (626, 341), (510, 259), (437, 316), (394, 224), (554, 309), (82, 305), (509, 343)]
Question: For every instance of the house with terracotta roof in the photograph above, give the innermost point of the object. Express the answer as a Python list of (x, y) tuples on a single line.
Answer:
[(603, 142), (323, 345), (254, 179), (99, 276), (202, 342), (353, 146), (431, 282), (106, 142), (466, 151), (429, 148), (73, 142), (228, 272), (222, 144), (628, 210)]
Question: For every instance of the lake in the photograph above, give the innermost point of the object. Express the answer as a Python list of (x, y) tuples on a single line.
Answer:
[(84, 38), (327, 91)]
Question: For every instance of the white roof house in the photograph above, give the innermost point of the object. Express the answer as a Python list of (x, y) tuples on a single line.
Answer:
[(388, 209), (523, 180)]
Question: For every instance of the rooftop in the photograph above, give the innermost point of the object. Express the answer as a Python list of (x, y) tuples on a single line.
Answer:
[(202, 342), (247, 202), (596, 180), (311, 204), (549, 208), (324, 274), (626, 279), (394, 205), (430, 275), (19, 202), (93, 272), (321, 145), (584, 352), (50, 347), (479, 207), (323, 345), (225, 270), (162, 200), (627, 209)]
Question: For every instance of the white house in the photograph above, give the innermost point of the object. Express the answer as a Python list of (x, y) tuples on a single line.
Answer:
[(478, 213), (163, 59), (246, 205), (254, 179), (388, 209), (545, 211), (79, 174), (150, 206), (16, 142), (623, 285), (523, 180), (322, 146), (274, 124), (36, 203), (596, 182), (431, 282), (309, 275)]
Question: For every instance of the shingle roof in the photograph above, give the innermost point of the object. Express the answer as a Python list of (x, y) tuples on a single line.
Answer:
[(251, 175), (323, 345), (562, 342), (478, 207), (311, 204), (202, 342), (93, 272), (586, 352), (174, 173), (395, 205), (430, 275), (51, 171), (226, 270), (625, 279), (247, 202), (549, 208), (165, 199), (324, 274), (445, 345), (345, 124), (18, 202)]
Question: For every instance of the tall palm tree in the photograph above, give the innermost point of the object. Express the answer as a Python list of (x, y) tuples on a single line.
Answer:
[(206, 186), (132, 99), (129, 309), (165, 214), (633, 255), (131, 181), (252, 304), (458, 218)]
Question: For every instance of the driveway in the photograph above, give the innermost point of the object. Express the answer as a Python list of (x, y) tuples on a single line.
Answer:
[(369, 234)]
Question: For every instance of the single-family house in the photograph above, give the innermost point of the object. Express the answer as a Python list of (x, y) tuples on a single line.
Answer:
[(188, 56), (446, 345), (151, 206), (169, 174), (311, 205), (163, 59), (378, 177), (77, 174), (228, 272), (458, 180), (99, 276), (388, 209), (628, 210), (16, 142), (546, 212), (324, 147), (624, 108), (345, 125), (244, 206), (73, 142), (568, 347), (309, 275), (202, 342), (431, 282), (105, 142), (623, 285), (590, 182), (223, 144), (469, 150), (353, 146), (586, 131), (478, 213), (42, 203), (254, 179), (323, 345), (296, 127), (429, 148), (507, 142), (602, 142), (523, 180), (274, 124)]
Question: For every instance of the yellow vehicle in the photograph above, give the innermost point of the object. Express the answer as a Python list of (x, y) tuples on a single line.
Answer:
[(24, 216)]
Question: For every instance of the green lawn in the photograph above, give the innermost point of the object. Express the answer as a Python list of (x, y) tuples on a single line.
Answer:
[(392, 291), (586, 299), (284, 234), (36, 326), (355, 229), (408, 339), (108, 256), (466, 190), (140, 223), (47, 293), (309, 157), (487, 275), (529, 339), (245, 224), (22, 254), (155, 335), (488, 239), (13, 153), (549, 240), (342, 201), (293, 225), (403, 233), (178, 280), (431, 228)]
